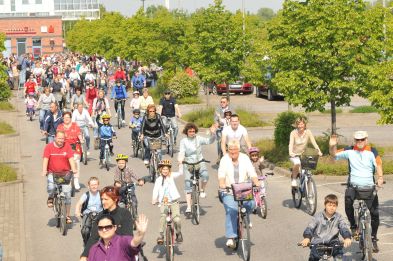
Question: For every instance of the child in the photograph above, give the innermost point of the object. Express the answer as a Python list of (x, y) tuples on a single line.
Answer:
[(165, 191), (125, 176), (135, 124), (259, 163), (226, 120), (106, 132), (325, 228), (30, 103), (135, 103)]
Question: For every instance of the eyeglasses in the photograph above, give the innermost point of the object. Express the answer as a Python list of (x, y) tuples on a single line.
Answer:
[(106, 228), (167, 93), (360, 139)]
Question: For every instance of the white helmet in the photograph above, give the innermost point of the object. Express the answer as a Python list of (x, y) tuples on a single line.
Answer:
[(358, 135)]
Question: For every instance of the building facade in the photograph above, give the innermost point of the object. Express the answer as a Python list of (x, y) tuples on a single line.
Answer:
[(34, 35), (67, 9)]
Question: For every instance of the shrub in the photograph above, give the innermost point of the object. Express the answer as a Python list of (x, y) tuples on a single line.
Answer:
[(284, 126), (364, 109), (182, 85), (274, 154), (5, 128), (202, 118), (190, 100), (249, 119), (7, 173), (5, 91), (6, 106)]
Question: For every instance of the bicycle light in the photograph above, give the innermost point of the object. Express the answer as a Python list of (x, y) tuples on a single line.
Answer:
[(243, 210), (168, 219)]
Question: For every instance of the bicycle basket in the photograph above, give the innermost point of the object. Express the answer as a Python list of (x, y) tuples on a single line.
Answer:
[(155, 144), (364, 193), (62, 178), (309, 161), (242, 191)]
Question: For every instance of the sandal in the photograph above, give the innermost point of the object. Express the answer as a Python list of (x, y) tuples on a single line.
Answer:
[(68, 220), (49, 202)]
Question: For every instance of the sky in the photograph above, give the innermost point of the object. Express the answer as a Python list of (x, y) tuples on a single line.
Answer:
[(129, 7)]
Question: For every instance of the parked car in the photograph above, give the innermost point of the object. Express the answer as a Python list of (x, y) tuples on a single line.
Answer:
[(234, 87), (270, 93)]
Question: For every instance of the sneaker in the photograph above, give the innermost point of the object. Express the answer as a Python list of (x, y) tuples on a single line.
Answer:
[(188, 210), (250, 225), (179, 237), (375, 245), (146, 162), (76, 184), (294, 183), (202, 194), (123, 121), (88, 153), (230, 243), (160, 239)]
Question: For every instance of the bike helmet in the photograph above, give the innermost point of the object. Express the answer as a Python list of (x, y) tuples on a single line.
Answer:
[(253, 150), (121, 157), (105, 116), (135, 92), (164, 163), (136, 111)]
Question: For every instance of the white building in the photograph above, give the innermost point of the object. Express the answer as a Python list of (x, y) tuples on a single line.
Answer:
[(67, 9)]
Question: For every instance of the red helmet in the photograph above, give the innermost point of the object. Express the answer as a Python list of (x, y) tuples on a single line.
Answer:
[(253, 150)]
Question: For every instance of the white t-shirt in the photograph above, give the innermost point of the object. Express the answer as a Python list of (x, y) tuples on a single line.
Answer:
[(237, 134)]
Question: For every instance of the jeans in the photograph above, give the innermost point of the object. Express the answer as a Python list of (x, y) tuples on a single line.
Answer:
[(204, 176), (85, 131), (173, 122), (42, 117), (122, 108), (50, 138), (147, 149), (65, 188), (231, 209), (218, 137), (175, 215)]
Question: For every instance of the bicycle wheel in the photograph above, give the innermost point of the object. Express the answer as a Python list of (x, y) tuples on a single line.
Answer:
[(119, 118), (297, 195), (171, 143), (311, 196), (56, 209), (244, 238), (135, 147), (84, 155), (152, 173), (107, 160), (142, 148), (72, 187), (63, 217), (366, 235), (31, 115), (263, 207), (195, 211), (169, 244)]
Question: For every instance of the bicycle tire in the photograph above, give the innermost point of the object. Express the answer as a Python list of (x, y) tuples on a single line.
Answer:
[(169, 244), (142, 148), (63, 217), (56, 208), (263, 207), (311, 195), (297, 195), (152, 170), (195, 211), (367, 242), (107, 160), (72, 187), (171, 144), (119, 117), (135, 148), (31, 116), (244, 238), (84, 155)]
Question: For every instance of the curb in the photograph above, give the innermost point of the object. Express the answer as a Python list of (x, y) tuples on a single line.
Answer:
[(8, 183)]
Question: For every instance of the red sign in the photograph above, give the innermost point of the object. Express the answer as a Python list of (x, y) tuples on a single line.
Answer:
[(51, 29), (20, 30)]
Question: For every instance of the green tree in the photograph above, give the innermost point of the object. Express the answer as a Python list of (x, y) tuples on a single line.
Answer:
[(5, 92), (322, 50), (265, 14)]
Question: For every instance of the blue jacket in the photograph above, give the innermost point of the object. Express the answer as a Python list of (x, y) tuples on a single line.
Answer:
[(51, 123), (137, 122), (106, 131), (119, 92), (139, 81)]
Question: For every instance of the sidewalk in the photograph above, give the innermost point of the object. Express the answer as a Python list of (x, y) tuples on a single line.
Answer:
[(12, 226)]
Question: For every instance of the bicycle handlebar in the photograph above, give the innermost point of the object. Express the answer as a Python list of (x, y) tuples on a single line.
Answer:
[(195, 163)]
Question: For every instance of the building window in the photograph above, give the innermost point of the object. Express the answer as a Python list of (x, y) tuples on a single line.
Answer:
[(38, 2), (25, 2), (21, 45), (13, 6), (37, 47)]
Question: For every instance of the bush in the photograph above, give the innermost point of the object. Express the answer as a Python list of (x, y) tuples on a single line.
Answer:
[(202, 118), (5, 91), (284, 125), (249, 119), (189, 100), (364, 109), (5, 128), (182, 85), (271, 152), (6, 106), (7, 173)]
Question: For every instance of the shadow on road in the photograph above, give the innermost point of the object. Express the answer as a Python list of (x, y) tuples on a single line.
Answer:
[(160, 250), (220, 243)]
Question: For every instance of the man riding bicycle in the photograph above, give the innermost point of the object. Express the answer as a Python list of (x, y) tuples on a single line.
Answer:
[(169, 108), (235, 131), (138, 82), (363, 161), (119, 93)]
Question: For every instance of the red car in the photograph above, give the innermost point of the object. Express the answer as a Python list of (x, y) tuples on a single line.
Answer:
[(235, 87)]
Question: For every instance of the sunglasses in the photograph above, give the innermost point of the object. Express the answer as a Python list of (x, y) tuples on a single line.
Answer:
[(106, 228), (167, 93), (361, 139)]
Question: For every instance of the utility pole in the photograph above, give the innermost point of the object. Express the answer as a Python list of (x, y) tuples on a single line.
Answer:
[(143, 5), (384, 28)]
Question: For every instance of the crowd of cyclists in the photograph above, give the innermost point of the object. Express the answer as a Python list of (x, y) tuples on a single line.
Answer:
[(73, 94)]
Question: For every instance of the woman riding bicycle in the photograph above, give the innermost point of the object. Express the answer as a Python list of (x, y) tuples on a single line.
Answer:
[(298, 141), (77, 98), (100, 107), (152, 127), (191, 151)]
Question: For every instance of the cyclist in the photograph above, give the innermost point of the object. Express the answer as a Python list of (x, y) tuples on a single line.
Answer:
[(119, 93), (53, 118), (226, 121), (235, 167), (125, 175), (31, 103), (191, 151), (235, 131), (258, 162), (73, 136), (100, 107), (83, 120), (138, 81), (298, 141), (88, 202), (135, 102), (325, 228), (120, 75), (218, 117), (135, 124), (30, 86), (144, 101), (77, 98), (106, 133), (165, 191), (152, 127), (168, 109), (363, 161), (44, 103), (58, 158), (58, 91)]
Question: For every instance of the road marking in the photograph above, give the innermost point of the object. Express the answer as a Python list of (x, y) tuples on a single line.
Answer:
[(386, 224)]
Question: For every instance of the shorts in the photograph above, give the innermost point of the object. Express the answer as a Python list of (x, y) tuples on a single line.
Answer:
[(295, 160)]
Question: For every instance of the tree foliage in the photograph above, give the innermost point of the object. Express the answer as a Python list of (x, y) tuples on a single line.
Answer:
[(5, 92)]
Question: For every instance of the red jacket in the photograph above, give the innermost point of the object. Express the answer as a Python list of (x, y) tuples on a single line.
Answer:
[(120, 75)]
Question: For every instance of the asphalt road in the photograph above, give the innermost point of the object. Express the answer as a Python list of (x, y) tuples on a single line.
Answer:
[(273, 239)]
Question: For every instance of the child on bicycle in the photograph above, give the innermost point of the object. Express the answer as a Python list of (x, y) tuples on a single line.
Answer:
[(258, 162), (165, 191), (125, 175), (30, 102), (106, 133), (135, 124), (325, 228)]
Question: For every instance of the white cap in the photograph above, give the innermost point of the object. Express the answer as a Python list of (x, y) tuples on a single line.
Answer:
[(360, 135)]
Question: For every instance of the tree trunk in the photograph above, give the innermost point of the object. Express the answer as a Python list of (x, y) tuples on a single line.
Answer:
[(333, 115)]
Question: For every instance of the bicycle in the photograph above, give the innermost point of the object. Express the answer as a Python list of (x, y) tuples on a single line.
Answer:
[(260, 197), (137, 144), (326, 251), (306, 187), (120, 116), (87, 225), (59, 206), (194, 170), (30, 113), (170, 140), (107, 154), (169, 233), (84, 149), (154, 145), (129, 203)]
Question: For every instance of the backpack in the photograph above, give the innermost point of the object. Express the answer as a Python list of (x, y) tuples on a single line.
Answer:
[(86, 203)]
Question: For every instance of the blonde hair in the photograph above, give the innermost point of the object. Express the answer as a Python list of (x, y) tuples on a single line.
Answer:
[(93, 179), (299, 120), (234, 144)]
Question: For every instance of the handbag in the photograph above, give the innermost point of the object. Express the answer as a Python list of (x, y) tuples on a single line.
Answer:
[(364, 193), (242, 191)]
